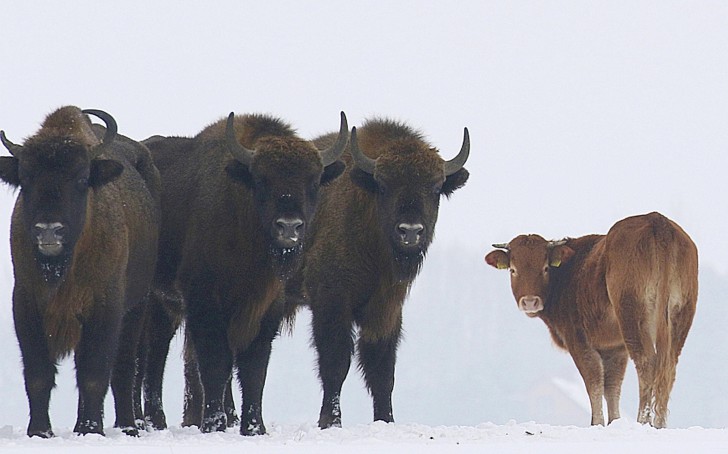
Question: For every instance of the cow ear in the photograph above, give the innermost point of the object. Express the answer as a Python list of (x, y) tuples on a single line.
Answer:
[(331, 172), (9, 170), (498, 259), (239, 172), (104, 171), (364, 180), (455, 181), (560, 255)]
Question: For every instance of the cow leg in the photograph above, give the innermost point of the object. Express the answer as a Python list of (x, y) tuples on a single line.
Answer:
[(94, 358), (632, 319), (615, 365), (39, 370), (125, 372), (332, 335), (590, 367), (165, 317), (252, 366), (377, 361)]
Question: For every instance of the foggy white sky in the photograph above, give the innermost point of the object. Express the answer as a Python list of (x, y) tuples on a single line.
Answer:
[(580, 114)]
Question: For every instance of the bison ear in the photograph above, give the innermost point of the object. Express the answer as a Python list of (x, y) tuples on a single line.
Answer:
[(9, 170), (455, 181), (104, 171), (559, 255), (364, 180), (332, 172), (498, 259), (239, 172)]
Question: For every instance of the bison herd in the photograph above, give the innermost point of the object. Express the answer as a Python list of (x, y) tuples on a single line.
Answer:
[(116, 243)]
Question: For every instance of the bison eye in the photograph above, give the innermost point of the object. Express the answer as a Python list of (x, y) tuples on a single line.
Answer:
[(82, 184)]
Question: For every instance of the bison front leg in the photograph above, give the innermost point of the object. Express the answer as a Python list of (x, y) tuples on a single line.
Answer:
[(590, 367), (125, 375), (252, 366), (95, 355), (377, 361), (332, 334), (206, 328), (163, 319), (38, 369)]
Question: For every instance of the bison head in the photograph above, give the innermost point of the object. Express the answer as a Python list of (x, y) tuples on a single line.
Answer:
[(530, 259), (285, 174), (408, 179), (55, 169)]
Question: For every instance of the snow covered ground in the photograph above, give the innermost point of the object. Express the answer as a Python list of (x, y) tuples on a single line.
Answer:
[(622, 437)]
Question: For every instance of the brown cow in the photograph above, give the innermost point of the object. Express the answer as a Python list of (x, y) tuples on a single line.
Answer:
[(633, 290)]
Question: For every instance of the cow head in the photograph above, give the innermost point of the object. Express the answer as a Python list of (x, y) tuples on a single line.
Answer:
[(530, 260), (285, 174), (55, 169), (408, 179)]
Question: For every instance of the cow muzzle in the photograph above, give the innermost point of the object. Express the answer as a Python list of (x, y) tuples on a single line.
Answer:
[(289, 231), (530, 304), (49, 238)]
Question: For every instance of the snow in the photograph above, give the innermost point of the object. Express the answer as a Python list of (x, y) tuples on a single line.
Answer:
[(622, 436)]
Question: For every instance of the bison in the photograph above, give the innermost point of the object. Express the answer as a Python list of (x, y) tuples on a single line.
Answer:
[(604, 298), (237, 203), (369, 238), (83, 241)]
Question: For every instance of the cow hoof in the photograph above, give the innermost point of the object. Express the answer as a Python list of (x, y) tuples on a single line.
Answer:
[(158, 421)]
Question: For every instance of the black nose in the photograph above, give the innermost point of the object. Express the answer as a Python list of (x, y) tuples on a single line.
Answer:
[(410, 233), (48, 233), (289, 228)]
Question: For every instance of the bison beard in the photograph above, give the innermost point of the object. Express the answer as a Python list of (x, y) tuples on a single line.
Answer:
[(286, 260), (52, 269), (406, 264)]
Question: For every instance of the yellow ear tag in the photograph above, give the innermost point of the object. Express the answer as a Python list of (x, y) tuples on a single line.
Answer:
[(502, 266), (556, 263)]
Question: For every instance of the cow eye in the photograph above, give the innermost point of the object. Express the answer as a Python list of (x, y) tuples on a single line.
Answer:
[(513, 271), (546, 269)]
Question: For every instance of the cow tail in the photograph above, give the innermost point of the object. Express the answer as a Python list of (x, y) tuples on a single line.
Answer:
[(666, 360)]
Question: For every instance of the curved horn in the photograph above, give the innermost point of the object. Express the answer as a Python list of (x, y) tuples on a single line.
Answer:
[(14, 150), (501, 246), (554, 243), (361, 160), (238, 151), (458, 161), (331, 154), (111, 129)]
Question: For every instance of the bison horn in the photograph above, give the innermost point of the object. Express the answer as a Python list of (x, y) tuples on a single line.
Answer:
[(14, 150), (458, 161), (111, 129), (331, 154), (501, 246), (239, 152), (361, 160)]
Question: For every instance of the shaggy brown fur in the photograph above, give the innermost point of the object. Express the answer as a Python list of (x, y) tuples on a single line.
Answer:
[(82, 299), (633, 290)]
